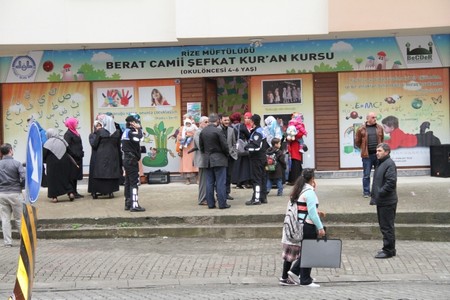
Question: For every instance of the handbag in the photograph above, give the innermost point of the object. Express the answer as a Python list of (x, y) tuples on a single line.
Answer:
[(321, 253), (240, 145)]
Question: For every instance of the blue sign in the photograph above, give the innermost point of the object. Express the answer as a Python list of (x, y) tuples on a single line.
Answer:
[(34, 163)]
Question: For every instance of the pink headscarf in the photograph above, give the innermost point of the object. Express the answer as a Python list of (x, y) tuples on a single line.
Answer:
[(248, 115), (72, 124)]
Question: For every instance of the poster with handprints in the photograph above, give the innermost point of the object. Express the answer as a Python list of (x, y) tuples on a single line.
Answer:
[(411, 105), (50, 104), (115, 97)]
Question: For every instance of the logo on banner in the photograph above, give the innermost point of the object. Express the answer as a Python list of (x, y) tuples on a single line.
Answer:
[(419, 55), (24, 67)]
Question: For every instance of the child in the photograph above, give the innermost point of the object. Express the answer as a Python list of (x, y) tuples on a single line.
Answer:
[(276, 176), (300, 131), (187, 134), (398, 138)]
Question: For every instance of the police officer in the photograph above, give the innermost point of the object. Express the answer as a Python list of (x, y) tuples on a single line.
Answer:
[(257, 147), (131, 149)]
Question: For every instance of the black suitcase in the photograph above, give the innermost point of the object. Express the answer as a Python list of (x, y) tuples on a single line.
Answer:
[(158, 177)]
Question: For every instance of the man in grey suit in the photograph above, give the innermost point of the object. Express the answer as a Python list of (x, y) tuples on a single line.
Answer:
[(200, 161), (213, 144), (230, 136)]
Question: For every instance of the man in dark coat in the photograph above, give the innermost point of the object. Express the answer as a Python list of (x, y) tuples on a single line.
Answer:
[(131, 149), (384, 196), (213, 144), (257, 148)]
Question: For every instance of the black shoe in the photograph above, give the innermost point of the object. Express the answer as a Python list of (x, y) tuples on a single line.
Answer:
[(394, 252), (78, 196), (230, 198), (94, 196), (137, 209), (263, 201), (383, 254), (127, 204), (251, 202), (225, 207)]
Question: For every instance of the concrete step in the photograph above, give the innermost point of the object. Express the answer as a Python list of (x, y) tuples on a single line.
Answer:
[(358, 231)]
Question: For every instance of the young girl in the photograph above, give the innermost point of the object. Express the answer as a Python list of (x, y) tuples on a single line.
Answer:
[(304, 196)]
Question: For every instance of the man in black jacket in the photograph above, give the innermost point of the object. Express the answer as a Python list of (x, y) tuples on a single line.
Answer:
[(213, 144), (257, 147), (384, 196), (131, 149)]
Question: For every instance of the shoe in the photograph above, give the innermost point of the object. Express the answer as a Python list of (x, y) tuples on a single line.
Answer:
[(286, 282), (293, 277), (225, 207), (240, 186), (71, 197), (127, 204), (230, 198), (249, 186), (251, 202), (312, 285), (55, 200), (137, 209), (394, 253), (203, 203), (188, 182), (111, 195), (78, 196), (264, 201), (366, 195), (383, 254), (280, 194)]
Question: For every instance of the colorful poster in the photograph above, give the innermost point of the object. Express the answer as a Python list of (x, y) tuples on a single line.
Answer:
[(284, 105), (48, 103), (195, 110), (412, 106), (232, 60), (157, 102)]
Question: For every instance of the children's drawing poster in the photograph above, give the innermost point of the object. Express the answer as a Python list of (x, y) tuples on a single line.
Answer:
[(157, 102), (412, 106), (50, 104)]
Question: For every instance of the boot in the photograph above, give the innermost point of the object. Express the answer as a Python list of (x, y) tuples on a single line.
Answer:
[(127, 204)]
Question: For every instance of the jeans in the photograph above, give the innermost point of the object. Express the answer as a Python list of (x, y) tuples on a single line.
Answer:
[(216, 176), (368, 163), (278, 182)]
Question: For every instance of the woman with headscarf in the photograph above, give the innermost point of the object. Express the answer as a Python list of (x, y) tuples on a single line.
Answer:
[(106, 172), (73, 139), (60, 166), (241, 169), (97, 125)]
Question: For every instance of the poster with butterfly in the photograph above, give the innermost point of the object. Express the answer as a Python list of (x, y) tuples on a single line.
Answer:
[(411, 105)]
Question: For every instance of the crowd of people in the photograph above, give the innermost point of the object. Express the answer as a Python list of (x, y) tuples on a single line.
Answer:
[(211, 156)]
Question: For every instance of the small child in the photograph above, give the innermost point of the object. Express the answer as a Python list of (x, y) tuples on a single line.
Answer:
[(276, 176), (187, 134)]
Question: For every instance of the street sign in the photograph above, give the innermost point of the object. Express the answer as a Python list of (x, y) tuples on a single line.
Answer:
[(34, 163)]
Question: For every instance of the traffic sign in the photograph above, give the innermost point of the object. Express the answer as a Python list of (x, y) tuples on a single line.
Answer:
[(34, 163)]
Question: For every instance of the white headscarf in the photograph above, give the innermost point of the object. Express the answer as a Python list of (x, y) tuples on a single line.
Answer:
[(55, 144)]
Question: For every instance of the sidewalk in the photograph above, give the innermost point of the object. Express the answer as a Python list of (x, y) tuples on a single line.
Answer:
[(417, 194)]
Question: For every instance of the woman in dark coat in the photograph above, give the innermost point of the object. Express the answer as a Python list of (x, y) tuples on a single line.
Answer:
[(73, 139), (61, 167), (92, 136), (107, 170), (241, 170)]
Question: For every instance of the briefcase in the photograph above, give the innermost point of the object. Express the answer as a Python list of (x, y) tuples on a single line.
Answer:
[(321, 253), (158, 177)]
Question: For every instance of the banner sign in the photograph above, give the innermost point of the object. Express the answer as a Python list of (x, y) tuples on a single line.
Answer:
[(412, 106), (229, 60)]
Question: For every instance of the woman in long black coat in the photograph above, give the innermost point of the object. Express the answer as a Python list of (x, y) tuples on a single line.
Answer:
[(106, 171), (73, 139), (61, 168)]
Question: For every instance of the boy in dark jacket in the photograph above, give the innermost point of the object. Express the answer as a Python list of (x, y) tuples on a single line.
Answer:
[(276, 175)]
